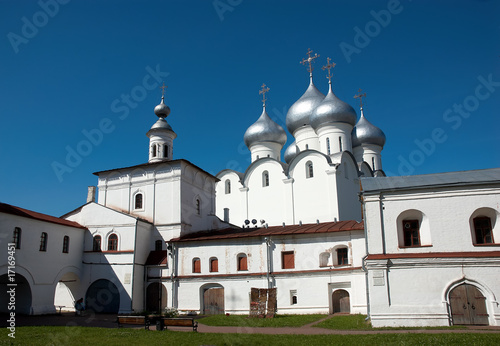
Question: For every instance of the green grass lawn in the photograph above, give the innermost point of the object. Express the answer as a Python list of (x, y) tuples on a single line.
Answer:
[(125, 336), (245, 321)]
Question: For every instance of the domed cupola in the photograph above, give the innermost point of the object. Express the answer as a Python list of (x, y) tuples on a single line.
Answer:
[(265, 138), (291, 152), (300, 112), (367, 141), (161, 135)]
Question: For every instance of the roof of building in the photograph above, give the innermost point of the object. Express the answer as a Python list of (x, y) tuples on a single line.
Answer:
[(477, 177), (152, 164), (158, 257), (13, 210), (233, 233)]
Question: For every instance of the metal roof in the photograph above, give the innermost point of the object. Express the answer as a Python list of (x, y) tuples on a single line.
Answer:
[(476, 177)]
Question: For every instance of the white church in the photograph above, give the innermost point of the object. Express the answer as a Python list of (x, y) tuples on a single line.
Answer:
[(325, 227)]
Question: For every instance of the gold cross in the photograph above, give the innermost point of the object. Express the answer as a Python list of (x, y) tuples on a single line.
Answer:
[(360, 97), (163, 88), (263, 91), (329, 66), (309, 60)]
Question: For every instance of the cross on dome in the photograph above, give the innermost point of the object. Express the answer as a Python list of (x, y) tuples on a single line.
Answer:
[(309, 60), (360, 97), (263, 92), (163, 88), (329, 65)]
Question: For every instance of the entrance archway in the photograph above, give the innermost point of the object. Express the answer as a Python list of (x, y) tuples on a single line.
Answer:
[(468, 305), (213, 300), (103, 297), (67, 290), (341, 302), (22, 297), (156, 297)]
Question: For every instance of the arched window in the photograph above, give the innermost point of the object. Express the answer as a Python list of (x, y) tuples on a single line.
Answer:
[(196, 265), (138, 201), (65, 244), (411, 233), (96, 244), (242, 262), (328, 146), (265, 178), (113, 242), (307, 146), (340, 144), (214, 265), (228, 186), (324, 258), (482, 230), (198, 206), (43, 241), (154, 150), (16, 239), (373, 163), (309, 169), (158, 245)]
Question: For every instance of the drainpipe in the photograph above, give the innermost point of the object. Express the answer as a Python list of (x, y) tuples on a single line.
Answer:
[(269, 259), (173, 269), (382, 227)]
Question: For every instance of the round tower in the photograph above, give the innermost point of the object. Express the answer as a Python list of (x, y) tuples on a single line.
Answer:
[(265, 138), (161, 135)]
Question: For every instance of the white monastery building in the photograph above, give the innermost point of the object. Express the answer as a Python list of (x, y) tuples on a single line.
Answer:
[(323, 226)]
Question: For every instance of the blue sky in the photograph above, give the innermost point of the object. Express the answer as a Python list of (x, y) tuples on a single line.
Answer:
[(431, 70)]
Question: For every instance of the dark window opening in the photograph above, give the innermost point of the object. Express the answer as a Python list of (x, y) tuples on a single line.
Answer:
[(113, 242), (482, 228), (411, 232)]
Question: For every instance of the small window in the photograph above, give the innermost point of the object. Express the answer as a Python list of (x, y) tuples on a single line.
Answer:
[(373, 163), (287, 260), (342, 256), (198, 206), (265, 178), (154, 150), (242, 262), (307, 146), (214, 265), (96, 245), (196, 265), (158, 245), (340, 144), (482, 229), (328, 146), (138, 201), (411, 233), (113, 242), (16, 239), (165, 149), (65, 244), (228, 186), (43, 241), (293, 297), (309, 169)]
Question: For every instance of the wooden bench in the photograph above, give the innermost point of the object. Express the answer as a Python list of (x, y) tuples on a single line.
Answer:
[(137, 320), (180, 322)]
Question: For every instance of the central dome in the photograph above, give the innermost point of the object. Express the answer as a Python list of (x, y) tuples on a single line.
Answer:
[(300, 112), (264, 130), (332, 110)]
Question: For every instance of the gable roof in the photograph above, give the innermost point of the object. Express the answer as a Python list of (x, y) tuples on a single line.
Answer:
[(13, 210), (233, 233)]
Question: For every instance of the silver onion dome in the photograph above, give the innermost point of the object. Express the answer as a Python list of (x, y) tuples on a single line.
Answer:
[(332, 110), (291, 152), (299, 113), (366, 133), (162, 110), (264, 130)]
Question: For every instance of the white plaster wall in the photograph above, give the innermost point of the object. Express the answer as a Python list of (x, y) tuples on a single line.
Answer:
[(306, 138), (233, 201), (334, 132)]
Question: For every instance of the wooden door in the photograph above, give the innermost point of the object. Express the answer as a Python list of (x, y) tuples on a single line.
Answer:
[(341, 302), (156, 297), (468, 305), (213, 301)]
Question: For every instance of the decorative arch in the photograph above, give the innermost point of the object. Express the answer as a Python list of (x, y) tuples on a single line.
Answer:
[(138, 200), (413, 229), (494, 226), (324, 259), (341, 301)]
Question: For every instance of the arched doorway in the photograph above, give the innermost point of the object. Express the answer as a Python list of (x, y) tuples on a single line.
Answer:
[(156, 297), (21, 294), (468, 305), (67, 290), (103, 297), (341, 302), (213, 300)]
